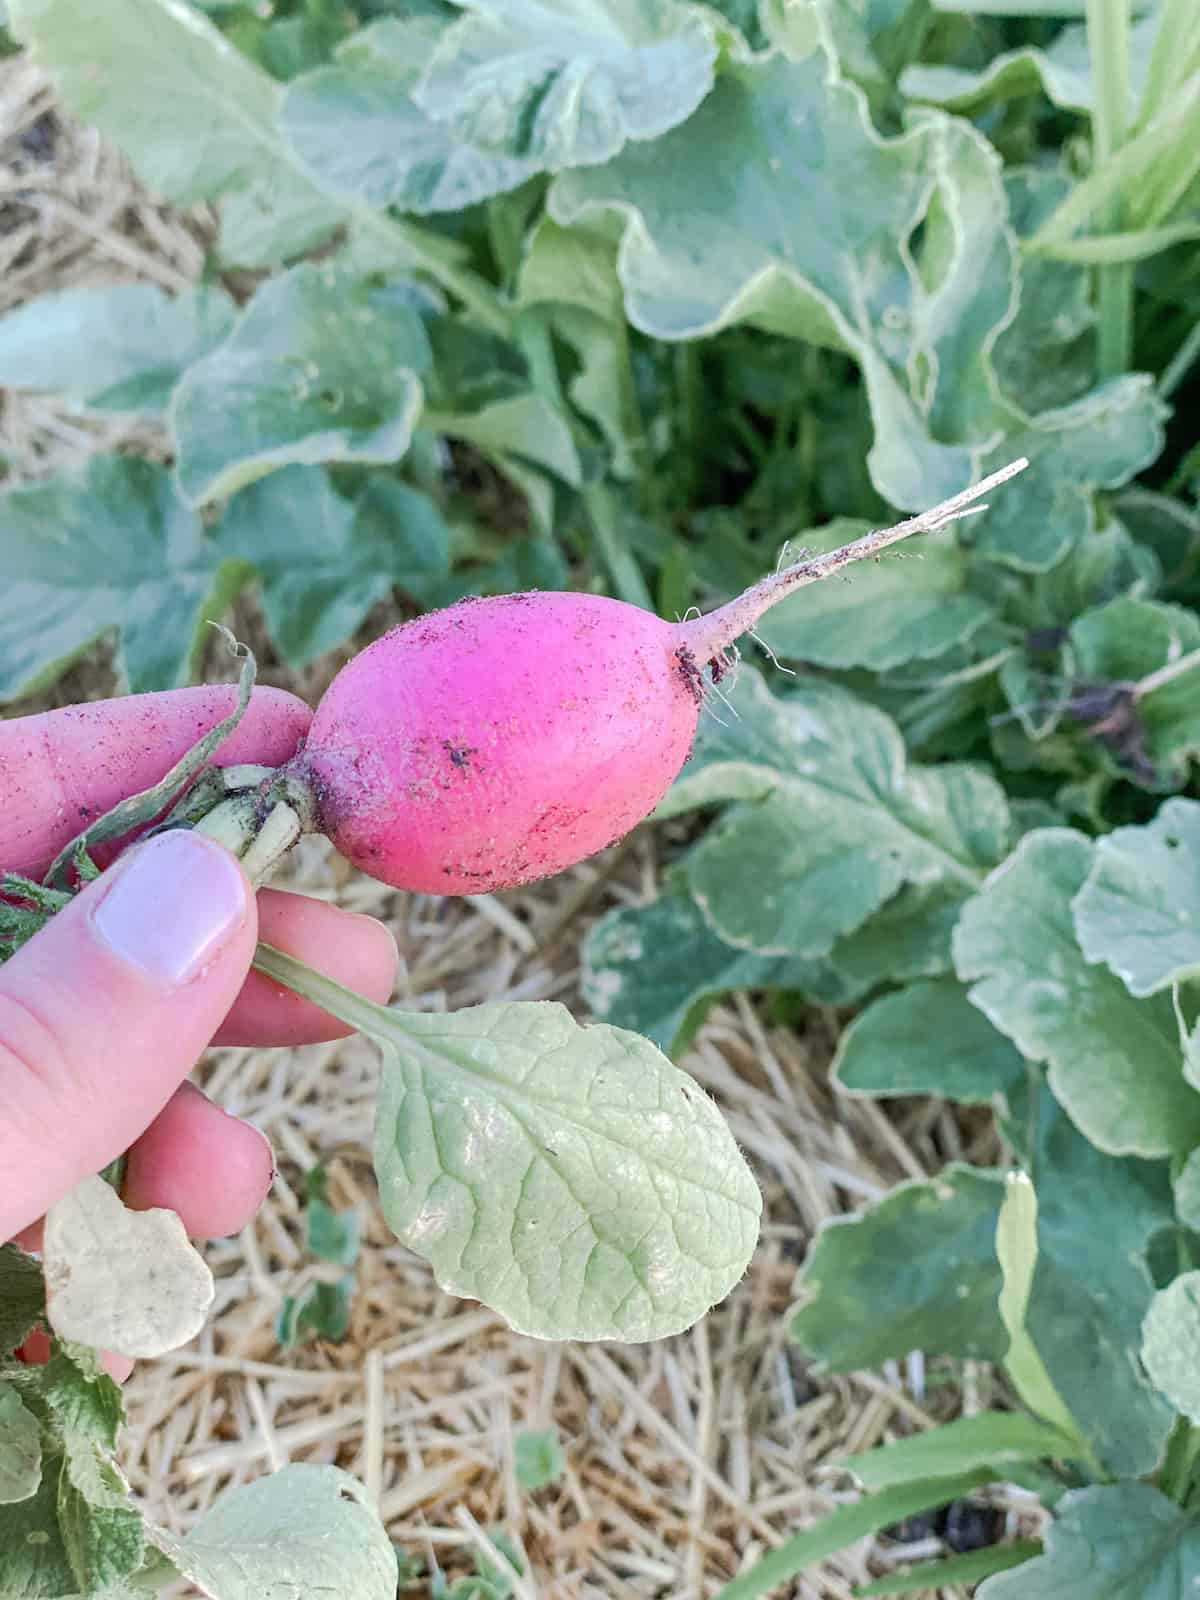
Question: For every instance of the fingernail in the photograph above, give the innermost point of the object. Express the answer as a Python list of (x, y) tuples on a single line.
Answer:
[(172, 905)]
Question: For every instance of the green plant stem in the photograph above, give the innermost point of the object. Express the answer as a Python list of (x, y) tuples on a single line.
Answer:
[(355, 1010), (1178, 1467), (1174, 57), (1108, 43), (1181, 363), (614, 548)]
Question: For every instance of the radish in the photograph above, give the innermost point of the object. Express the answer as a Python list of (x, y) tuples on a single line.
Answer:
[(501, 740)]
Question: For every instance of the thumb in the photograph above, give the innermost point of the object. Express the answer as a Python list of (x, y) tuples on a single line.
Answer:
[(103, 1013)]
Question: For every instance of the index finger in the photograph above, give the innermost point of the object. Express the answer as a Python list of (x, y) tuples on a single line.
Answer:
[(62, 769)]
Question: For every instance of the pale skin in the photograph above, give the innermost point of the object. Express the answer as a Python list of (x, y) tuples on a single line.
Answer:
[(94, 1050)]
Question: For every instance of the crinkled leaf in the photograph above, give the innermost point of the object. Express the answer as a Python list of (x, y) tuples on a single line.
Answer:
[(655, 968), (537, 1457), (1122, 1541), (714, 235), (323, 561), (22, 1296), (843, 821), (319, 367), (122, 1280), (115, 550), (358, 133), (305, 1530), (1171, 1343), (991, 1439), (567, 84), (73, 1396), (927, 1038), (196, 118), (20, 1448), (102, 1530), (1139, 909), (33, 1559), (1114, 1062), (570, 1177), (907, 606), (121, 348), (1127, 640)]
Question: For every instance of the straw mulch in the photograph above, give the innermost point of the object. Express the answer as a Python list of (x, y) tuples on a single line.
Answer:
[(684, 1459)]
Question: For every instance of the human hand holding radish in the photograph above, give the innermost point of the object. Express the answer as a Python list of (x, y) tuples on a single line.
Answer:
[(476, 748)]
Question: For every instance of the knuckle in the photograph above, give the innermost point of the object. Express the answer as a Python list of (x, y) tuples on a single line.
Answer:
[(30, 1047)]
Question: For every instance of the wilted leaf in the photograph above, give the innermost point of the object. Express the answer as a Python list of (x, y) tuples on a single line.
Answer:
[(319, 367), (323, 561), (1171, 1343), (22, 1296), (121, 348), (1114, 1062), (1122, 1541), (114, 550), (304, 1530), (1139, 908), (20, 1448), (567, 84), (121, 1280), (196, 118)]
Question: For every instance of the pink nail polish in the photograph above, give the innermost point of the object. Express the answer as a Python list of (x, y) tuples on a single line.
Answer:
[(172, 905)]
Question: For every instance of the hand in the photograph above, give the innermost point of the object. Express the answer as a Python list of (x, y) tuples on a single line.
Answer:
[(104, 1012)]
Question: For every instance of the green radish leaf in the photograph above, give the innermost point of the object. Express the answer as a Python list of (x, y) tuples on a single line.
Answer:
[(1139, 908), (992, 1439), (842, 824), (1187, 1192), (22, 1296), (356, 130), (1166, 526), (1122, 1541), (928, 1038), (322, 1309), (1127, 641), (121, 348), (908, 606), (570, 1177), (537, 1457), (319, 367), (954, 1571), (73, 1396), (566, 85), (115, 550), (194, 116), (102, 1530), (1114, 1062), (1017, 1251), (846, 1526), (1171, 1343), (323, 562), (331, 1235), (33, 1558), (522, 425), (20, 1448), (303, 1530), (655, 968)]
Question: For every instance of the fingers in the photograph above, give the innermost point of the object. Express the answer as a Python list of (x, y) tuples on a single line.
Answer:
[(104, 1013), (354, 950), (63, 769)]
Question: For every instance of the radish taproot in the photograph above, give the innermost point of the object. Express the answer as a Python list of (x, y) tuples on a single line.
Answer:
[(501, 740)]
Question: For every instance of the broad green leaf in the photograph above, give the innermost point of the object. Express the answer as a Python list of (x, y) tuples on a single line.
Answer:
[(570, 1177), (1127, 641), (116, 349), (1114, 1062), (907, 938), (1123, 1541), (1017, 1252), (113, 551), (1062, 71), (102, 1529), (907, 606), (196, 118), (1187, 1192), (1165, 525), (20, 1448), (842, 824), (1171, 1343), (927, 1039), (917, 1270), (33, 1559), (305, 1530), (968, 1568), (992, 1439), (73, 1396), (653, 968), (523, 425), (537, 1457), (323, 562), (319, 367), (567, 84), (846, 1526), (356, 130), (22, 1296), (1139, 909), (714, 236)]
